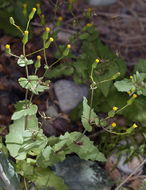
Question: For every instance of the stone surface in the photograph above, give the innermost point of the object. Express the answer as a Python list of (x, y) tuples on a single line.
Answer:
[(101, 2), (69, 94), (82, 175), (128, 167)]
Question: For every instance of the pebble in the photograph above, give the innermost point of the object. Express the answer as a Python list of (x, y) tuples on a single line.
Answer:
[(69, 94), (128, 167), (101, 2)]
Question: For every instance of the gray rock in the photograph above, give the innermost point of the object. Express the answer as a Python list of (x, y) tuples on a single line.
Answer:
[(101, 2), (69, 94), (82, 175), (128, 167)]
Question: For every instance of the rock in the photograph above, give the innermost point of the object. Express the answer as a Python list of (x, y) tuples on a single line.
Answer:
[(79, 174), (101, 2), (128, 167), (69, 94), (52, 111)]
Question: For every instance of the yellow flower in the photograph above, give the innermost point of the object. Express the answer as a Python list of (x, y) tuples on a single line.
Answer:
[(131, 77), (47, 29), (134, 96), (60, 18), (97, 60), (39, 57), (51, 39), (24, 5), (26, 32), (7, 46), (38, 5), (129, 92), (88, 25), (68, 46), (134, 125), (114, 124), (89, 9), (34, 9), (115, 108)]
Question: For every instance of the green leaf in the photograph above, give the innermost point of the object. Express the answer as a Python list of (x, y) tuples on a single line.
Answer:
[(32, 141), (111, 113), (32, 110), (84, 36), (88, 112), (15, 138), (124, 85), (60, 70), (8, 178), (44, 178), (141, 66), (32, 83), (23, 61), (85, 148)]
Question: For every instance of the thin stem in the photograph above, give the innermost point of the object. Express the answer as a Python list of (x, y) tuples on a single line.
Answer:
[(55, 62), (91, 103), (35, 52), (31, 98), (18, 27), (27, 24), (140, 165), (26, 95), (45, 57), (13, 55), (25, 184), (24, 49)]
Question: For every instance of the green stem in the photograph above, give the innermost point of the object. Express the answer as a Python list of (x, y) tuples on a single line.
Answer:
[(91, 104), (18, 28), (35, 52), (25, 184), (27, 24), (24, 49), (13, 55), (45, 57)]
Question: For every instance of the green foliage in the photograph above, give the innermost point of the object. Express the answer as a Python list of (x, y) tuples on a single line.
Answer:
[(14, 8), (89, 116), (33, 151), (80, 66), (23, 61), (32, 83), (136, 84)]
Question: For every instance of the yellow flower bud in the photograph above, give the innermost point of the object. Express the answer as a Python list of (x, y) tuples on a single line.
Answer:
[(134, 96), (68, 46), (47, 29), (88, 25), (39, 57), (38, 5), (60, 18), (24, 5), (134, 125), (7, 46), (26, 32), (51, 39), (34, 9), (97, 60), (129, 92), (115, 108), (131, 77), (114, 124)]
